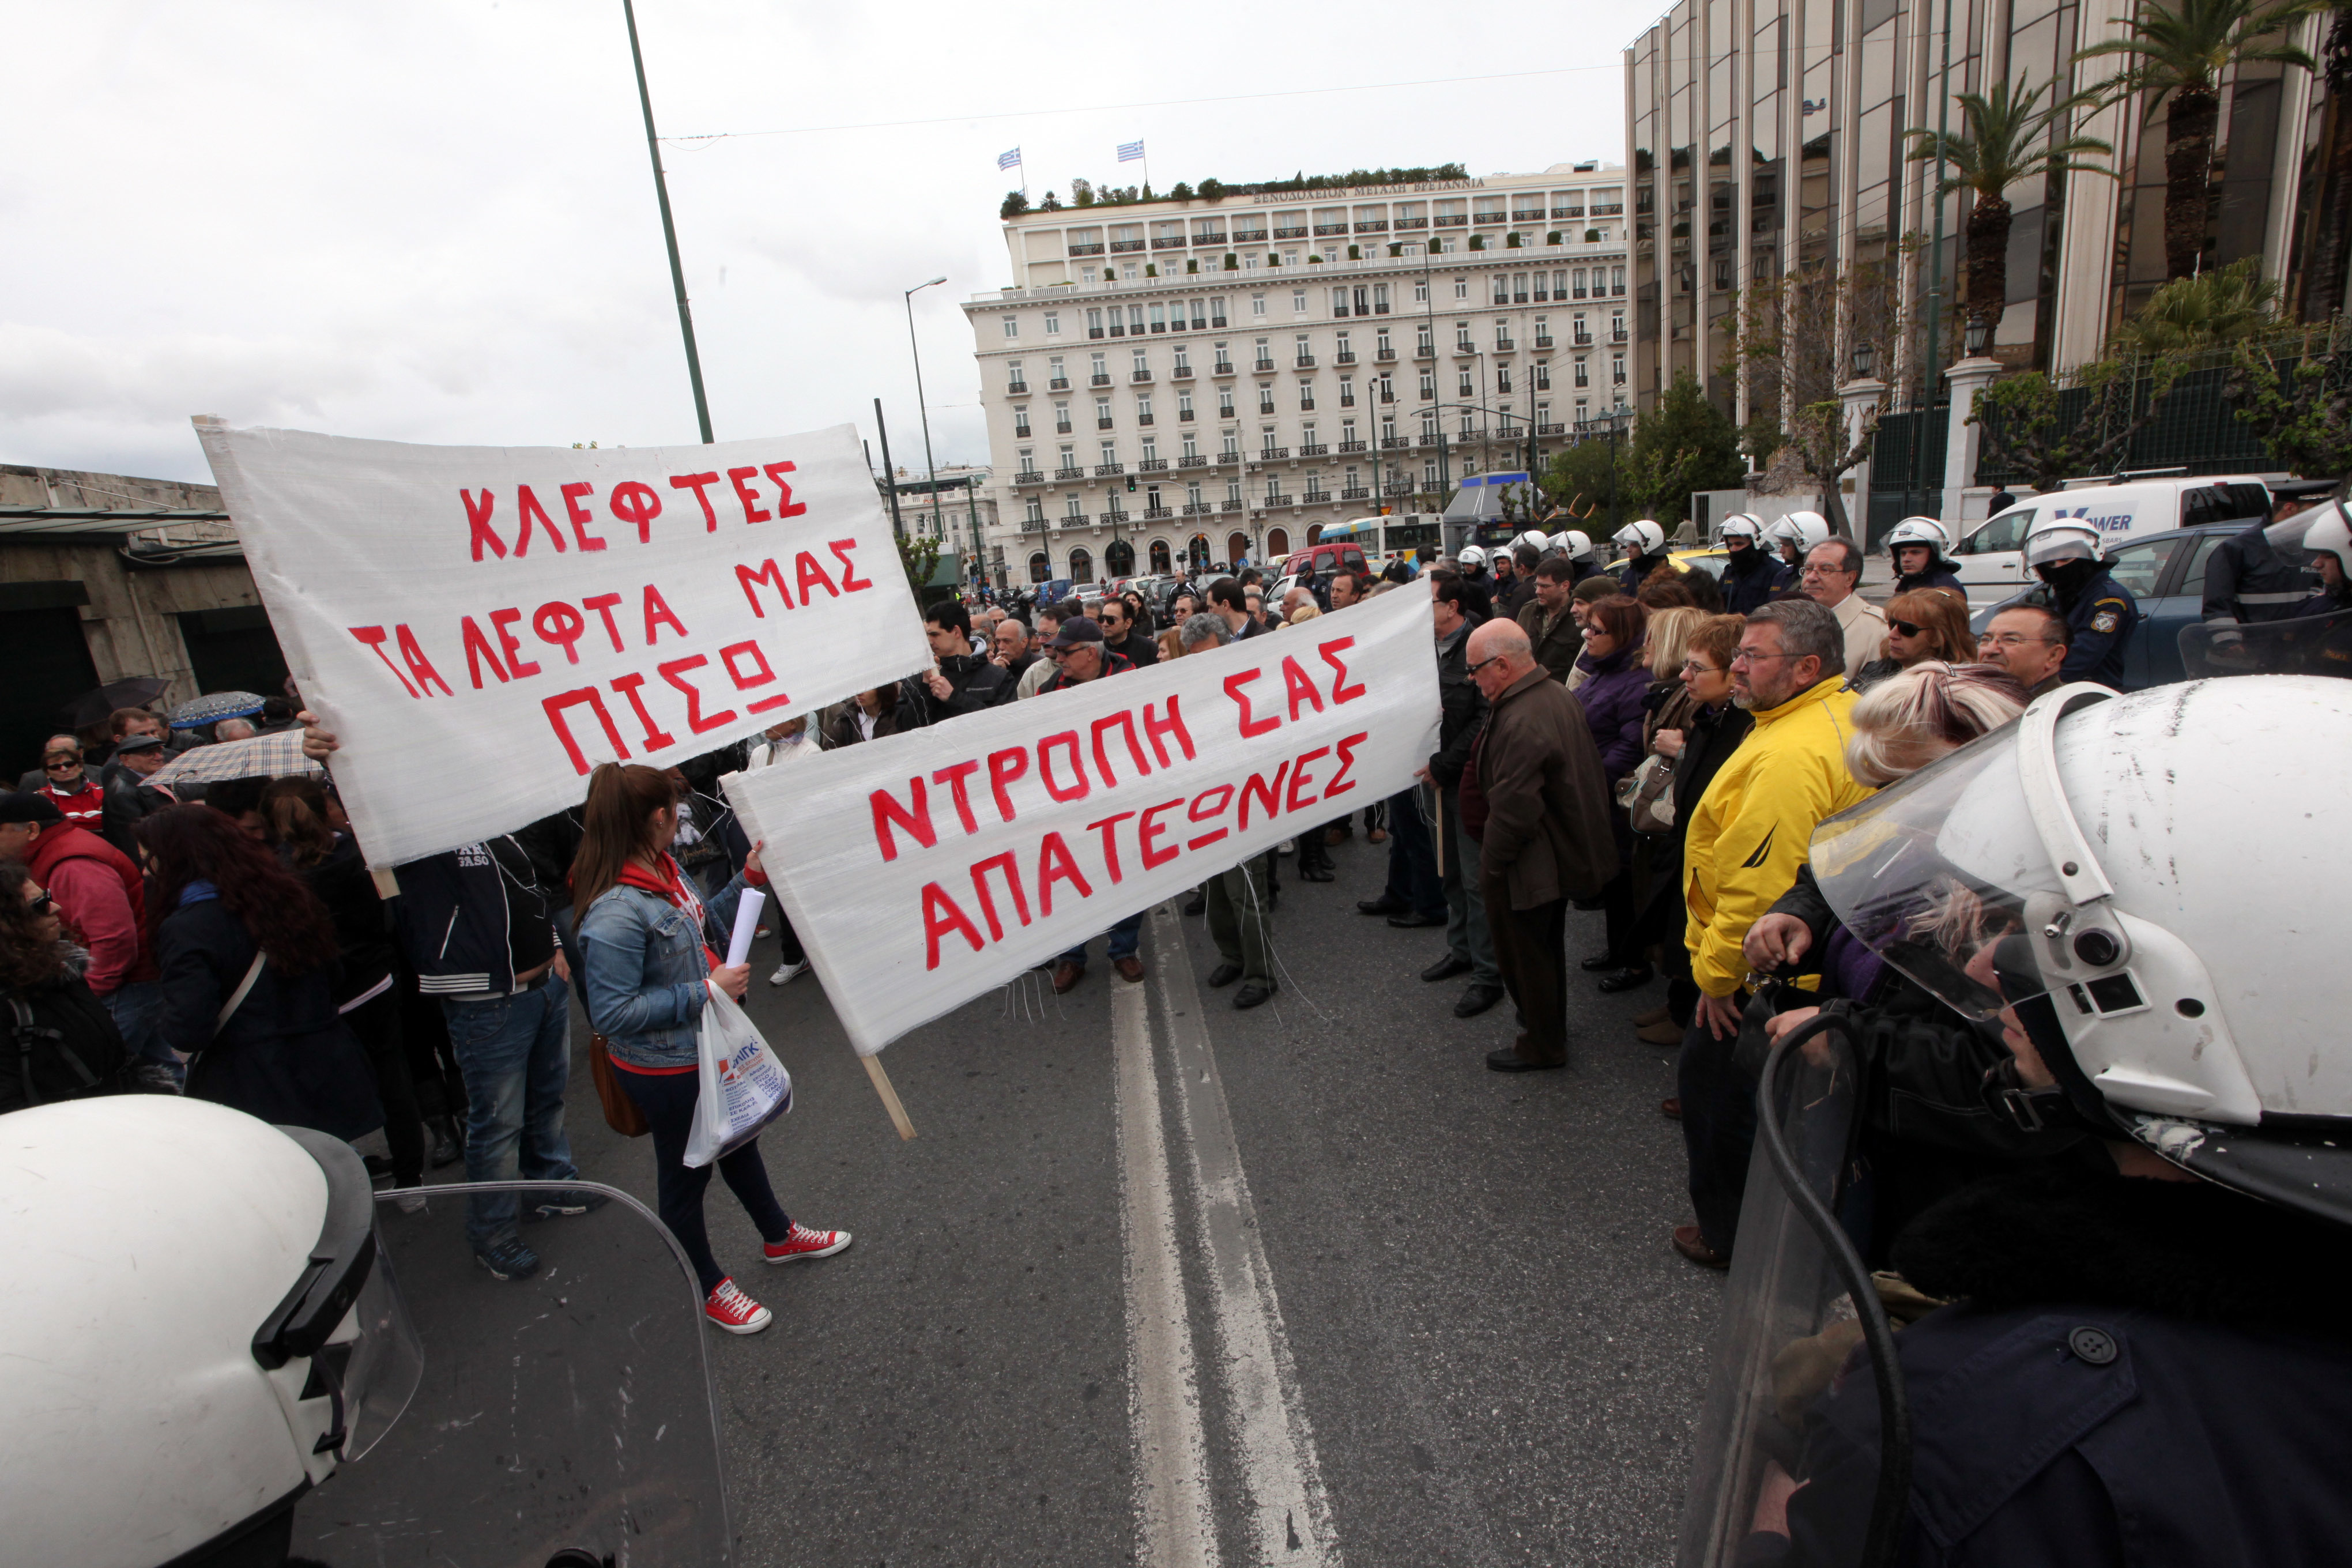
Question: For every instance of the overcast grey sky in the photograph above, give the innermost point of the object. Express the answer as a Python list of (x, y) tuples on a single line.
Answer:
[(434, 221)]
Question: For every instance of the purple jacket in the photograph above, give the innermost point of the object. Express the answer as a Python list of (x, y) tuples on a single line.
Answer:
[(1611, 694)]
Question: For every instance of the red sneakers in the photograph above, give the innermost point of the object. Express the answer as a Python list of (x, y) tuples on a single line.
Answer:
[(806, 1243), (734, 1311)]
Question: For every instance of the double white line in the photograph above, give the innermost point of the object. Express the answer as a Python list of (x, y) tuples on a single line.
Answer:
[(1289, 1519)]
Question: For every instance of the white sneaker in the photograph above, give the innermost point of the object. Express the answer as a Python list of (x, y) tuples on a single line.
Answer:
[(410, 1199), (1288, 846), (787, 972)]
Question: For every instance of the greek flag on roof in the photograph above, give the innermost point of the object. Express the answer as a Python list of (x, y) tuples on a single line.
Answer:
[(1007, 159), (1129, 151)]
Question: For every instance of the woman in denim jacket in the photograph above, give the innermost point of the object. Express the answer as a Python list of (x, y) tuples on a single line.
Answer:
[(646, 970)]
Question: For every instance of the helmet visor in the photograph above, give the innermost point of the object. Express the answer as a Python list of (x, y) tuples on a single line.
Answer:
[(1944, 877)]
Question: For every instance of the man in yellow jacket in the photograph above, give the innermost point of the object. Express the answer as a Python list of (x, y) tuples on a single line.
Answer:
[(1748, 836)]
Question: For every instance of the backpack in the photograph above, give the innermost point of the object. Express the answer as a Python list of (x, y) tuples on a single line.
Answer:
[(38, 1066)]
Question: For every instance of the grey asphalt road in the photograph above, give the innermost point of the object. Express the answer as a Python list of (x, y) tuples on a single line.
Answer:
[(1496, 1355)]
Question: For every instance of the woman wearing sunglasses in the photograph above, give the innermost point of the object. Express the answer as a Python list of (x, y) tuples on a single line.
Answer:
[(61, 1042), (1924, 624)]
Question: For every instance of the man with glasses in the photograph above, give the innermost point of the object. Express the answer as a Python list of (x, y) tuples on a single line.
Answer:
[(67, 785), (1833, 573), (1121, 636), (1748, 835), (2028, 641)]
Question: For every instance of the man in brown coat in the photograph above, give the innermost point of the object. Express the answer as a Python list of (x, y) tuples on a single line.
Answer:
[(1552, 632), (1540, 812)]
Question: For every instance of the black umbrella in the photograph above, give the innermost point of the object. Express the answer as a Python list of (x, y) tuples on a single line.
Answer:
[(92, 707)]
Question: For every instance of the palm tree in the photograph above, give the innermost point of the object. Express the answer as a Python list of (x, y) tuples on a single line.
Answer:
[(2220, 305), (1995, 149), (2178, 49)]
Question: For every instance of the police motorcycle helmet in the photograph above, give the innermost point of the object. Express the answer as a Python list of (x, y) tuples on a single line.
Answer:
[(1740, 526), (1642, 537), (2330, 534), (1534, 536), (1576, 545), (1801, 529), (2064, 876), (2061, 539), (1471, 558), (253, 1340), (1924, 530)]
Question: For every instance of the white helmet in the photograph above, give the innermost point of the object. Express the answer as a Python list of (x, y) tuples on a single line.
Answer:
[(1740, 524), (2063, 539), (1640, 538), (1471, 557), (1803, 529), (248, 1342), (2091, 868), (1534, 536), (1575, 543), (2331, 535), (1924, 530)]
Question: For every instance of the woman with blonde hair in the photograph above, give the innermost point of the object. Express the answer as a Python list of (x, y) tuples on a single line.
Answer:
[(1923, 624), (647, 967)]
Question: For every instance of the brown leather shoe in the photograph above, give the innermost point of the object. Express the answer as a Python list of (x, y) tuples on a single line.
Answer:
[(1687, 1242), (1661, 1033), (1128, 969), (1067, 974), (1655, 1016), (1672, 1110)]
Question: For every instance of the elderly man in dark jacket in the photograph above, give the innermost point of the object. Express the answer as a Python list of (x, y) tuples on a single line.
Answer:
[(1553, 631), (1534, 796)]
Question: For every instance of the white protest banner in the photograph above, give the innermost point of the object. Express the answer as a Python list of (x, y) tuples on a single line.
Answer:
[(925, 868), (480, 625)]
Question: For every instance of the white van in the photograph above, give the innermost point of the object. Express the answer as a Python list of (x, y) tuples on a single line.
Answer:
[(1990, 560)]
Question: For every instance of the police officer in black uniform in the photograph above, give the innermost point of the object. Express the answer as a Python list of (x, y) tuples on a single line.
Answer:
[(1752, 575), (1918, 546), (1644, 543), (2101, 615), (2247, 581)]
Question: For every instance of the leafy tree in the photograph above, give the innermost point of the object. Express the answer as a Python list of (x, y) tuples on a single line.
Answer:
[(1052, 204), (1213, 190), (2206, 311), (2033, 427), (1996, 147), (1684, 444), (1015, 204), (919, 554), (2295, 390), (2178, 51), (1580, 477), (1179, 192)]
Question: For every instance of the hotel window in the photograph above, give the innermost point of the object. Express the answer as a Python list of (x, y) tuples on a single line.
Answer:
[(1347, 392), (1158, 318), (1036, 509), (1306, 393), (1052, 323), (1109, 452), (1233, 444), (1576, 278), (1467, 388), (1616, 370), (1183, 407), (1070, 507), (1021, 421), (1094, 323), (1102, 413), (1258, 305), (1581, 378), (1429, 386), (1135, 320), (1421, 292), (1142, 366), (1543, 375), (1028, 459), (1014, 381), (1462, 288), (1012, 326), (1061, 415), (1266, 397), (1061, 381), (1616, 280), (1224, 403), (1143, 409), (1297, 299), (1380, 299), (1502, 288), (1339, 304)]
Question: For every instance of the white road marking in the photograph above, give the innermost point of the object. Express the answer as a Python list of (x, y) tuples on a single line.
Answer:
[(1174, 1525), (1290, 1522)]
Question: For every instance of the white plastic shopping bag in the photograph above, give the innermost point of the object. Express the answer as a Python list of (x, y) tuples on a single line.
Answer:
[(744, 1087)]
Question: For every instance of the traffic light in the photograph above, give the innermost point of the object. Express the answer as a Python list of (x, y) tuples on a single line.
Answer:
[(1130, 484)]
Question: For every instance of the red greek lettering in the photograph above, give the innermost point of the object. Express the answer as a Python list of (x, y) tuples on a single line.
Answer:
[(634, 503), (1012, 883), (1005, 768), (770, 574), (1146, 830), (478, 524), (1300, 779), (418, 665), (374, 637), (1056, 864), (1340, 690), (1124, 720), (1107, 827), (1251, 727), (1340, 783), (528, 504), (699, 484), (763, 675), (850, 581), (915, 817), (746, 494), (659, 613), (674, 672), (602, 605), (940, 917), (554, 706), (955, 778), (1078, 790), (1297, 688), (1258, 790), (478, 648), (508, 643), (557, 622), (805, 568), (657, 737), (785, 505), (1156, 729), (1224, 795)]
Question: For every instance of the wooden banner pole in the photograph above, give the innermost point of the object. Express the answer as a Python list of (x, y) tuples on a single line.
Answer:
[(890, 1096), (1437, 837)]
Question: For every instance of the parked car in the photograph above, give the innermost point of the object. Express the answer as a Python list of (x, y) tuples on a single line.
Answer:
[(1990, 560), (1323, 559), (2164, 574), (1055, 592)]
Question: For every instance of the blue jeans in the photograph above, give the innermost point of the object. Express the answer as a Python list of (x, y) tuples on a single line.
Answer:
[(1466, 935), (516, 1055), (135, 1009), (1125, 938)]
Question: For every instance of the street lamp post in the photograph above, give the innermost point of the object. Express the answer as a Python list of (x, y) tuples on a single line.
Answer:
[(922, 407), (669, 231)]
